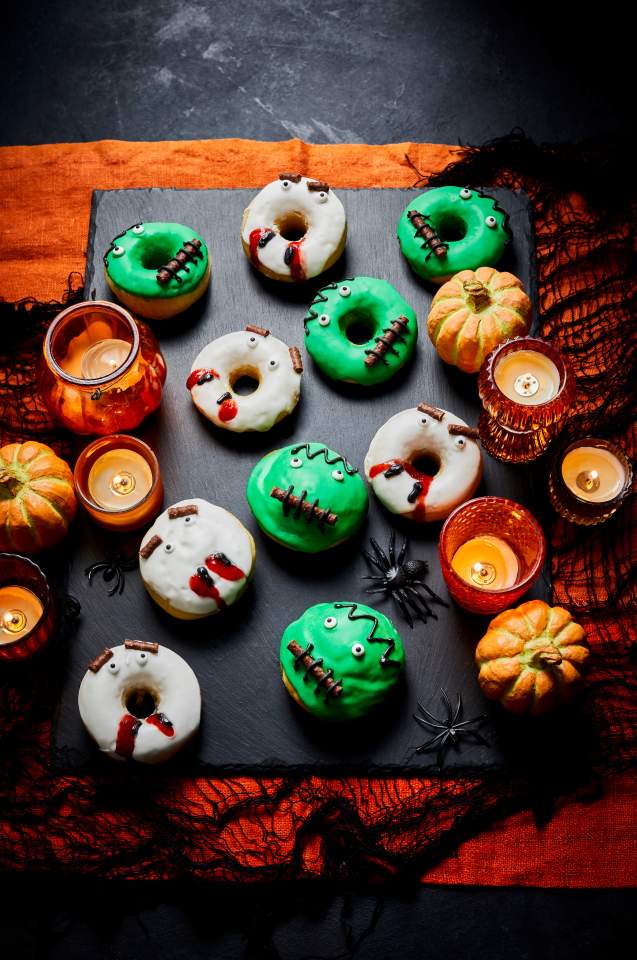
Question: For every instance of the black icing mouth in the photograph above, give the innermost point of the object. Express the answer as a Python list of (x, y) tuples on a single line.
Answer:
[(298, 505)]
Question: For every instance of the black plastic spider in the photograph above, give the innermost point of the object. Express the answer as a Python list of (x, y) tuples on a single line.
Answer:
[(452, 729), (112, 569), (403, 580)]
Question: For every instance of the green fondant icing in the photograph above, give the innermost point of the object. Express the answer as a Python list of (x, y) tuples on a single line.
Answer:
[(135, 271), (366, 680), (371, 304), (448, 213), (346, 497)]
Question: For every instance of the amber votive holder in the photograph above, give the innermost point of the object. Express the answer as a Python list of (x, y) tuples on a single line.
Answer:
[(132, 515), (517, 432), (22, 576), (111, 397), (581, 498), (509, 522)]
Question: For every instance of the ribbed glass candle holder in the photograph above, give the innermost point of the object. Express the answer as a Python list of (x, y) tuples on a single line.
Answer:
[(583, 495), (27, 610)]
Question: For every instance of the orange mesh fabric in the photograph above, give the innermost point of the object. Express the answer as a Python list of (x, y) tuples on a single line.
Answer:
[(123, 822)]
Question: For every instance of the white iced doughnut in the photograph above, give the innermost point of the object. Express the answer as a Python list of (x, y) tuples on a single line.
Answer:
[(196, 559), (254, 353), (424, 431), (140, 701), (294, 229)]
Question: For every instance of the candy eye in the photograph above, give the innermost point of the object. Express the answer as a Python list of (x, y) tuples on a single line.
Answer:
[(491, 222), (118, 251), (168, 547), (273, 364), (460, 442), (324, 320), (285, 184), (329, 623), (344, 290), (252, 342), (190, 519), (321, 197), (113, 666), (142, 658), (465, 193), (338, 475), (138, 228), (296, 462), (424, 420), (358, 650)]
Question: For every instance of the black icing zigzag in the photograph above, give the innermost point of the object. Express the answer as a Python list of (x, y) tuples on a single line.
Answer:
[(371, 637), (320, 298), (323, 450)]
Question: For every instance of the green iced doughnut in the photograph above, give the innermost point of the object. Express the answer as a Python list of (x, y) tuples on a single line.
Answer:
[(340, 660), (449, 229), (157, 269), (360, 305), (307, 497)]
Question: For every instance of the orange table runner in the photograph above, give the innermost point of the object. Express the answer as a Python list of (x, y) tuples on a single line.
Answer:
[(45, 197)]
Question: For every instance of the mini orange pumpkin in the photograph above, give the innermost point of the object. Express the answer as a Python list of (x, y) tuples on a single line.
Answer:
[(531, 658), (37, 498), (475, 311)]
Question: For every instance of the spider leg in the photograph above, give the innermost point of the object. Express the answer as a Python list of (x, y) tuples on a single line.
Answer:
[(95, 568), (434, 596), (476, 737), (380, 554), (373, 561), (427, 723), (464, 723), (457, 713), (434, 720), (414, 608), (431, 743), (391, 550), (110, 573), (402, 552), (384, 579), (447, 702), (417, 599), (396, 594)]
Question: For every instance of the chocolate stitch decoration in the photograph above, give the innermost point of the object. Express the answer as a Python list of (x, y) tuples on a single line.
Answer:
[(100, 660), (293, 177), (149, 548), (319, 297), (301, 505), (311, 454), (318, 186), (314, 668), (187, 510), (141, 645), (392, 334), (190, 252), (371, 637), (260, 331), (427, 234), (459, 430), (295, 356), (434, 412)]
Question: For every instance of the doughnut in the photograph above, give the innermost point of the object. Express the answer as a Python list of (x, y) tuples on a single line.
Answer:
[(252, 353), (449, 229), (294, 229), (424, 431), (360, 330), (140, 701), (340, 660), (196, 559), (157, 269), (307, 497)]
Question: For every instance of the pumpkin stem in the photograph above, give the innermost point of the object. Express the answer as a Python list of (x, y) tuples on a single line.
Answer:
[(476, 294), (9, 485), (546, 657)]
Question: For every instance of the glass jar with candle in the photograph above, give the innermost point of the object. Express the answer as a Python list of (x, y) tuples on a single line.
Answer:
[(589, 480), (26, 608), (102, 370), (526, 388), (118, 483), (491, 552)]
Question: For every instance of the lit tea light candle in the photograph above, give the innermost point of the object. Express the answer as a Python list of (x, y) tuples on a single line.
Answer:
[(527, 377), (104, 358), (20, 611), (119, 479), (486, 562), (593, 473)]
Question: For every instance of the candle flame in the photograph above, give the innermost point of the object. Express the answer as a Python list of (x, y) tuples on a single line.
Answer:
[(123, 483), (13, 621), (588, 480), (483, 573)]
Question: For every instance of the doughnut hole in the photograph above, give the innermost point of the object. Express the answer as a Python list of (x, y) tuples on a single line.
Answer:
[(359, 327), (292, 226), (157, 251), (426, 463), (140, 701), (244, 381), (451, 228)]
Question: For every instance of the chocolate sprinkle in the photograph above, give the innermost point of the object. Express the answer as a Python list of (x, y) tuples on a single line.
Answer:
[(434, 412), (318, 185), (294, 177), (313, 667), (141, 645), (297, 363), (100, 660), (148, 549), (459, 430), (261, 331), (301, 505), (188, 510)]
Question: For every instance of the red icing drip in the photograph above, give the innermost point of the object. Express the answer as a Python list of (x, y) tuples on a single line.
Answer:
[(296, 265), (255, 236), (196, 374), (162, 723), (227, 571), (228, 410), (126, 734), (418, 512), (203, 589)]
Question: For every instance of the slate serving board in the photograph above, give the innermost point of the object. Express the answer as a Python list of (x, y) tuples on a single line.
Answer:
[(249, 721)]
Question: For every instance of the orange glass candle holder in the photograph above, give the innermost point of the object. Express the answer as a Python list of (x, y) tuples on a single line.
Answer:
[(509, 531), (117, 481), (102, 369), (27, 610), (589, 481), (526, 388)]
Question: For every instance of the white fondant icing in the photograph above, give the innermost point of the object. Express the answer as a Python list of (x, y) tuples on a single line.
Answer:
[(242, 352), (166, 675), (323, 213), (412, 434), (191, 539)]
